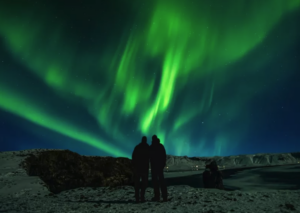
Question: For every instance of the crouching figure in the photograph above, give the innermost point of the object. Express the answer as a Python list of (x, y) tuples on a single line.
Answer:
[(212, 177)]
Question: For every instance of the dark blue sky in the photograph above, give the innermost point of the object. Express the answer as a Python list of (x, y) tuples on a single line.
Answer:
[(208, 78)]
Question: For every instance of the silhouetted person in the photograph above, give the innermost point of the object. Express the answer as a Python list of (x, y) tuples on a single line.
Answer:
[(140, 160), (216, 176), (158, 160), (213, 178)]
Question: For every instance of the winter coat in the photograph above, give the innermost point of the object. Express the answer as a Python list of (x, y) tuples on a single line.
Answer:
[(140, 158), (206, 178), (217, 180), (213, 179), (158, 156)]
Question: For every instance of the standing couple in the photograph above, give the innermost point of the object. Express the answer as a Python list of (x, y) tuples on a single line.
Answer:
[(142, 155)]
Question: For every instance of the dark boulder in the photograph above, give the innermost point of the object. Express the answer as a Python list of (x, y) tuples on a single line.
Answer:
[(62, 170)]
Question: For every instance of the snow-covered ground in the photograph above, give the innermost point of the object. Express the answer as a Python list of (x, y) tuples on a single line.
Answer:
[(266, 189)]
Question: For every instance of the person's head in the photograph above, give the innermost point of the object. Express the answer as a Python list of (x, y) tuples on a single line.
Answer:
[(144, 139), (214, 166), (154, 139), (158, 140)]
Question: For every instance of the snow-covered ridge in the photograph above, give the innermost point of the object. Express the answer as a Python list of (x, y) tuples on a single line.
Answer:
[(269, 159)]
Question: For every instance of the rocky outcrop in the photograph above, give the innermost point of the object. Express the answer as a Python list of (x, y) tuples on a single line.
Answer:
[(184, 162), (62, 170)]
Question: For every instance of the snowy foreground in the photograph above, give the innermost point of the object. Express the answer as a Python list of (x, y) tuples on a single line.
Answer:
[(183, 199), (21, 193)]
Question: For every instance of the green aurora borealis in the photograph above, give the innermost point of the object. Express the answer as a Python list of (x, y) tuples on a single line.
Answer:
[(188, 71)]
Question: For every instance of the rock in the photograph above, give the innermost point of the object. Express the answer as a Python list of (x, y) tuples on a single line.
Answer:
[(290, 206), (62, 170)]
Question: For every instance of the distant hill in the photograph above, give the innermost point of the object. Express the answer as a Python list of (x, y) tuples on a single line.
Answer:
[(263, 159)]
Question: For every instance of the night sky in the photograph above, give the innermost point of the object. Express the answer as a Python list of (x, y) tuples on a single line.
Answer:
[(209, 77)]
